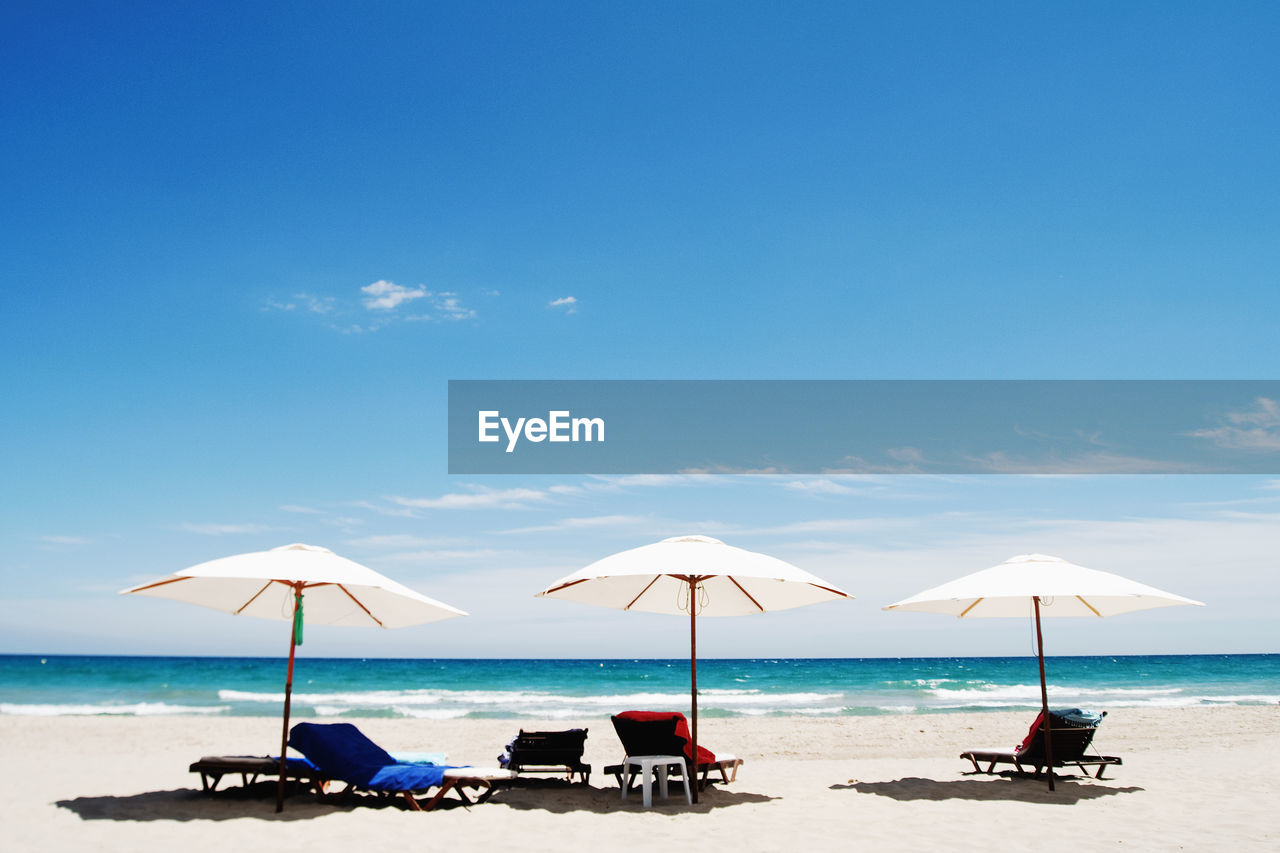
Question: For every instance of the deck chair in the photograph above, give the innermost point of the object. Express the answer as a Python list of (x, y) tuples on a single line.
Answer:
[(726, 764), (213, 767), (1072, 732), (343, 753), (548, 752)]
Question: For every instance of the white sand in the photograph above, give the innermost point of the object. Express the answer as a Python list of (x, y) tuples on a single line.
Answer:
[(1195, 779)]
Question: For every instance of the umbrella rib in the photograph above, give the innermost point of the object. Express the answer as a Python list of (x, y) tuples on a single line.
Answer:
[(642, 592), (564, 586), (238, 610), (361, 606), (965, 612), (160, 583), (255, 597), (1090, 606), (734, 581), (830, 590)]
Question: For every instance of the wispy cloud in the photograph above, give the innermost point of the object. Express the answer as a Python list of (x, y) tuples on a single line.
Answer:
[(305, 510), (445, 306), (66, 540), (444, 555), (569, 303), (316, 304), (1000, 462), (385, 295), (222, 529), (479, 498), (625, 481), (378, 305), (306, 301), (595, 522), (831, 525), (398, 540), (1256, 429), (820, 486), (732, 469)]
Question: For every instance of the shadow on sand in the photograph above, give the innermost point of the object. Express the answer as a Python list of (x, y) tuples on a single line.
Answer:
[(255, 801), (1002, 787), (559, 797), (258, 801)]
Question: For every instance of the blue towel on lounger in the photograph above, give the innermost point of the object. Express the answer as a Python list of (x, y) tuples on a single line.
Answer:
[(342, 751)]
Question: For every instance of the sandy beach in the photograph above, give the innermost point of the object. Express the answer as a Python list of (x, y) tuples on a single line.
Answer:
[(1196, 779)]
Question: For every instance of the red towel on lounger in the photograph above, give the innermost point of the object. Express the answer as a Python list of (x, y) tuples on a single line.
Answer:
[(705, 756)]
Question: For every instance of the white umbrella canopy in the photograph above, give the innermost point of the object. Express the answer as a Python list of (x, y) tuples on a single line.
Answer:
[(1037, 585), (732, 581), (287, 582), (1064, 589), (699, 576), (338, 591)]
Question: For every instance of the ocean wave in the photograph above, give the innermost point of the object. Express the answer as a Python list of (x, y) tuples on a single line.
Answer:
[(518, 700), (139, 709), (1032, 691)]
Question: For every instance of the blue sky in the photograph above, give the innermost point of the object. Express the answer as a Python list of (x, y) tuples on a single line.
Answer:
[(246, 247)]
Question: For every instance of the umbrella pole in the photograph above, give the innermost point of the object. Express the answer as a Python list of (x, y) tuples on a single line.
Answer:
[(692, 768), (1044, 695), (288, 696)]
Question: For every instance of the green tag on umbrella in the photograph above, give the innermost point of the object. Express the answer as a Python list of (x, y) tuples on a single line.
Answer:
[(297, 618)]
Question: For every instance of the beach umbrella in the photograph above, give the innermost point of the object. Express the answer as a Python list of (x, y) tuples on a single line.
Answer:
[(1039, 586), (285, 582), (697, 576)]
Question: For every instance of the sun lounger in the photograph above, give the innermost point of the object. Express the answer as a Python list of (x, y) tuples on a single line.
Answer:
[(634, 743), (343, 753), (213, 767), (1072, 732), (548, 752)]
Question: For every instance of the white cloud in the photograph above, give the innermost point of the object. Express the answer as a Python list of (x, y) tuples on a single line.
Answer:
[(451, 555), (479, 498), (308, 301), (570, 303), (383, 299), (385, 295), (622, 481), (723, 470), (588, 523), (305, 510), (822, 486), (316, 304), (396, 540), (66, 540), (1000, 462), (448, 307), (222, 529), (1257, 429)]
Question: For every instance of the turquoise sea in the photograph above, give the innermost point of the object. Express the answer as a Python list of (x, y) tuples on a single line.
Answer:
[(568, 689)]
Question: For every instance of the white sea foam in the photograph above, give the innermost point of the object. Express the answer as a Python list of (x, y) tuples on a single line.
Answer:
[(520, 701), (140, 709), (430, 713), (1015, 692)]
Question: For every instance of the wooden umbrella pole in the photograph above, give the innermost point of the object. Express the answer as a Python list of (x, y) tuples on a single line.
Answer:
[(288, 695), (1044, 695), (691, 769)]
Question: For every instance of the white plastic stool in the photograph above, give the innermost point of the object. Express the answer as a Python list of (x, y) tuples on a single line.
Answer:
[(646, 764)]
